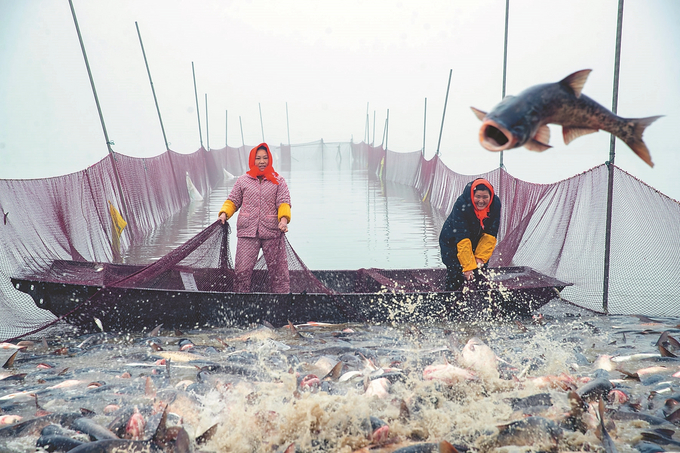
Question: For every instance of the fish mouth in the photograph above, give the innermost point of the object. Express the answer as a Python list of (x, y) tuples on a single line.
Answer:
[(495, 137)]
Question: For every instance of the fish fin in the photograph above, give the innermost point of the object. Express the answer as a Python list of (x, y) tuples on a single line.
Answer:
[(207, 435), (336, 371), (478, 113), (665, 432), (543, 135), (569, 134), (636, 143), (534, 145), (10, 362), (160, 435), (447, 447), (540, 141), (155, 331), (576, 81), (149, 388), (665, 352)]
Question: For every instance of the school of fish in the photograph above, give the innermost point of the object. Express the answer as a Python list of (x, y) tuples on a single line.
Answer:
[(580, 383)]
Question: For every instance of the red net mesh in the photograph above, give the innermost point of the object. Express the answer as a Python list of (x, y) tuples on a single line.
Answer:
[(55, 228)]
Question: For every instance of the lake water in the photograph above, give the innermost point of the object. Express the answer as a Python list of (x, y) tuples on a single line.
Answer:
[(342, 218)]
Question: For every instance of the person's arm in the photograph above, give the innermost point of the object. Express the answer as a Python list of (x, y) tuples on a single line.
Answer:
[(461, 237), (487, 243), (283, 205), (232, 203), (485, 248), (465, 256)]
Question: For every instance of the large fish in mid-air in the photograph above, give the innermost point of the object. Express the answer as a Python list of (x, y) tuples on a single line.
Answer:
[(523, 120)]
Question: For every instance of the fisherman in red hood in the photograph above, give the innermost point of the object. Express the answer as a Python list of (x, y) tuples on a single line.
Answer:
[(468, 237), (264, 200)]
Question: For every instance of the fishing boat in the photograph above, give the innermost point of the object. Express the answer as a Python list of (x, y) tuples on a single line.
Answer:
[(202, 298)]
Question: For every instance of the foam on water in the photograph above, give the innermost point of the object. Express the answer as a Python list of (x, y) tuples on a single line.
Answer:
[(254, 392)]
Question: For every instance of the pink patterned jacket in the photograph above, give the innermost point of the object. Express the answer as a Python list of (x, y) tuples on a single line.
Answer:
[(258, 201)]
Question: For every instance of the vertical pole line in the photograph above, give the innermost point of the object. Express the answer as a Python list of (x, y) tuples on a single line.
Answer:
[(226, 128), (158, 110), (446, 100), (387, 129), (207, 131), (610, 165), (424, 125), (198, 112), (155, 99), (382, 143), (505, 59), (241, 124), (373, 141), (367, 127), (287, 124), (261, 123), (101, 116)]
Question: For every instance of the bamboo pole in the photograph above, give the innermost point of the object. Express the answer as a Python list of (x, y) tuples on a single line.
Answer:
[(424, 125), (198, 113), (505, 61), (158, 110), (241, 124), (446, 99), (207, 130), (610, 164), (261, 123), (101, 116), (287, 124), (155, 99)]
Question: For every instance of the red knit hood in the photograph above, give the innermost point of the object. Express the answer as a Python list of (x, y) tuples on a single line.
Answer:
[(483, 213), (268, 172)]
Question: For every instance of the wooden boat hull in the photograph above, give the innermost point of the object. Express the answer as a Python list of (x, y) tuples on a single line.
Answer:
[(138, 309)]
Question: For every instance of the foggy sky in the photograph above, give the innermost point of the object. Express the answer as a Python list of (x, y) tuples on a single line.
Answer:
[(327, 60)]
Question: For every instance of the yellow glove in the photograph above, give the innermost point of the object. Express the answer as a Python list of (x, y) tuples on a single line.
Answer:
[(485, 247), (229, 208), (284, 211), (465, 256)]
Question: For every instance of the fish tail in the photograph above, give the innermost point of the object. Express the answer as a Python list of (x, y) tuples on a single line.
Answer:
[(635, 142)]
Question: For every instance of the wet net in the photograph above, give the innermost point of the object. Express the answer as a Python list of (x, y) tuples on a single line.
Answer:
[(79, 228)]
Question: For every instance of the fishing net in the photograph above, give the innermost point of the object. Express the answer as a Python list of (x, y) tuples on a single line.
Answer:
[(559, 229), (81, 228)]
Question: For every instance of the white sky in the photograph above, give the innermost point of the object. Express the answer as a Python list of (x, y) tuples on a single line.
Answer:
[(327, 59)]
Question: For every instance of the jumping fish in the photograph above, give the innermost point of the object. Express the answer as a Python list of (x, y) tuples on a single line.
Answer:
[(523, 120), (477, 356), (447, 373)]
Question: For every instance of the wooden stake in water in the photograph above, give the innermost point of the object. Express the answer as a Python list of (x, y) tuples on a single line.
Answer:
[(198, 113), (101, 117), (261, 123), (207, 130), (287, 124), (610, 164), (446, 100)]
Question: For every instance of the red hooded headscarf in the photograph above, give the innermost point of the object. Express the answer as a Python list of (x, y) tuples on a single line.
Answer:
[(268, 172), (483, 213)]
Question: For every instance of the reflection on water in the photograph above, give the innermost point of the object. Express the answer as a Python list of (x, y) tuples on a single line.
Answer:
[(342, 218)]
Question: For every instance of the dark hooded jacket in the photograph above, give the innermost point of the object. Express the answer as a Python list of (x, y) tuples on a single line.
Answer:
[(463, 224)]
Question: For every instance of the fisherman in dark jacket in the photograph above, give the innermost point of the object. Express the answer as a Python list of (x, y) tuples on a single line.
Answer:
[(468, 237)]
